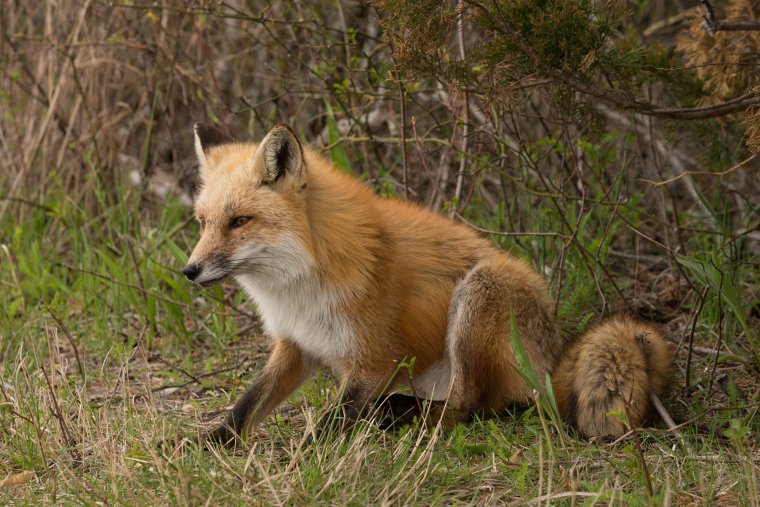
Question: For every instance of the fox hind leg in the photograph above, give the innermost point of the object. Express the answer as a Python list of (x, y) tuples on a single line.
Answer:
[(478, 337)]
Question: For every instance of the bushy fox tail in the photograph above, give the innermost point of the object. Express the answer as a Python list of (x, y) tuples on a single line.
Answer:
[(611, 368)]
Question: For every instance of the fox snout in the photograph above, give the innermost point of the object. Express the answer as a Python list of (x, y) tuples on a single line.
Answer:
[(206, 273), (191, 271)]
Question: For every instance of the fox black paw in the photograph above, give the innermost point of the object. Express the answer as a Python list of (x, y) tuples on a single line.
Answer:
[(222, 436)]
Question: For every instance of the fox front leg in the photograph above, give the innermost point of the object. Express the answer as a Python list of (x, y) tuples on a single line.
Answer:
[(344, 414), (358, 390), (286, 369)]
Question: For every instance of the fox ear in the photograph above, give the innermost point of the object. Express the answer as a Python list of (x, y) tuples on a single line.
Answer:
[(280, 154), (206, 137)]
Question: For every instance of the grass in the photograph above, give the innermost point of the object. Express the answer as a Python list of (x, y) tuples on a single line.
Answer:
[(106, 352)]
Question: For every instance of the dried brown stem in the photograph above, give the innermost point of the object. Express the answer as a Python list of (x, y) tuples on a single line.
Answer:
[(55, 409), (72, 342)]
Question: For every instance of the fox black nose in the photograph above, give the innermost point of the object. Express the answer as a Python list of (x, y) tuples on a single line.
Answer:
[(191, 271)]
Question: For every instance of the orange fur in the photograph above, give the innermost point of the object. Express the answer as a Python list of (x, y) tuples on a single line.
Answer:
[(345, 279), (612, 367)]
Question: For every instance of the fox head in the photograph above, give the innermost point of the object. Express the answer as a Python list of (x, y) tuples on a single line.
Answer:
[(251, 208)]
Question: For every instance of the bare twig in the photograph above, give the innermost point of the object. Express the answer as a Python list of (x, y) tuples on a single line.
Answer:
[(720, 335), (713, 25), (662, 411), (466, 120), (174, 366), (694, 317), (703, 173), (405, 176), (197, 378), (433, 179), (665, 416), (505, 233), (72, 342), (27, 202), (55, 409)]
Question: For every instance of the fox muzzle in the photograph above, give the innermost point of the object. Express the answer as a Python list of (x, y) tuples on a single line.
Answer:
[(191, 271)]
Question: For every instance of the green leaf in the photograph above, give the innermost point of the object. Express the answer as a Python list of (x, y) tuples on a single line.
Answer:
[(524, 368)]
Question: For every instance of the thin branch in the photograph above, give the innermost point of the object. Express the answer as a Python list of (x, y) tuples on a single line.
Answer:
[(690, 422), (401, 92), (27, 202), (695, 316), (719, 343), (662, 411), (431, 177), (734, 27), (174, 366), (504, 233), (72, 342), (55, 409), (713, 25), (197, 378), (703, 173), (466, 119)]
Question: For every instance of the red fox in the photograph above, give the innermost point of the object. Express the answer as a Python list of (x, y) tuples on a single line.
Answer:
[(346, 280)]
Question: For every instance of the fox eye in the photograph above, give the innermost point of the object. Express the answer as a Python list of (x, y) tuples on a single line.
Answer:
[(239, 222), (202, 223)]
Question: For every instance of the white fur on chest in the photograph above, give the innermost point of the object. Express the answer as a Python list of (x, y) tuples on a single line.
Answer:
[(305, 314)]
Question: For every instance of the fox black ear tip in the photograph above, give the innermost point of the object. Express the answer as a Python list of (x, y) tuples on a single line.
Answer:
[(285, 127)]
